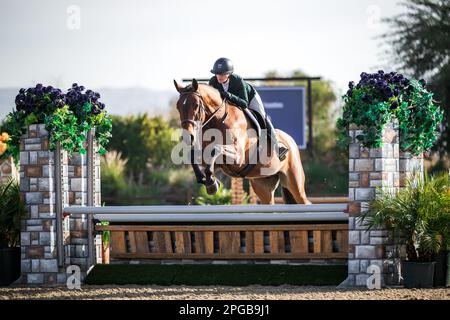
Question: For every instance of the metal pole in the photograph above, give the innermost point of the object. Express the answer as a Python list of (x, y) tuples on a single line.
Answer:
[(90, 194), (263, 79), (59, 206), (199, 210)]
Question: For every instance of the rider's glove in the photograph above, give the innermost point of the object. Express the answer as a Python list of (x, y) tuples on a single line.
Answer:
[(225, 95)]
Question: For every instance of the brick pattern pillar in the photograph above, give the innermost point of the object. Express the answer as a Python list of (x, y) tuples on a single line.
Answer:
[(101, 254), (253, 198), (97, 177), (78, 195), (38, 188), (8, 170), (409, 163), (369, 169), (237, 190)]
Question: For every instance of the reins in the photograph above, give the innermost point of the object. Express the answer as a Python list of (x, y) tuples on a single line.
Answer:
[(202, 107)]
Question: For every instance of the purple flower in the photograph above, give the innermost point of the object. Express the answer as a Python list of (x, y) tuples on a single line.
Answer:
[(394, 104)]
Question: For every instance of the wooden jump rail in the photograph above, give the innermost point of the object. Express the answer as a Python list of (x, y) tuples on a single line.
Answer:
[(316, 241), (282, 232)]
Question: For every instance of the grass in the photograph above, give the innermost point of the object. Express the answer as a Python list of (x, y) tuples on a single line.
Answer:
[(207, 274)]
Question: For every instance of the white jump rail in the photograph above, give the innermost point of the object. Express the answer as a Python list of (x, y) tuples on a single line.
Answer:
[(217, 213)]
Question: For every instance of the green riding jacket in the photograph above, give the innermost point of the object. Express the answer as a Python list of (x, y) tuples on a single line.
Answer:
[(241, 91)]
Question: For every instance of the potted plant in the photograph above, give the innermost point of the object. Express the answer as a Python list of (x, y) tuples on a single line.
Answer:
[(12, 209), (419, 216), (67, 116)]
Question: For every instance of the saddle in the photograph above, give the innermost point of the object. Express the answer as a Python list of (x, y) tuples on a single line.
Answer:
[(256, 120)]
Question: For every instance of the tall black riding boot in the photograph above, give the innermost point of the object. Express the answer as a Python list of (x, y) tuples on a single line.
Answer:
[(280, 148)]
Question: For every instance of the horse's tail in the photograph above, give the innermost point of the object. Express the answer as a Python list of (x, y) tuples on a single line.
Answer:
[(287, 196)]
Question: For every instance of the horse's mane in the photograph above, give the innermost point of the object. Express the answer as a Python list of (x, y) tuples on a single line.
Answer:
[(207, 91), (208, 88)]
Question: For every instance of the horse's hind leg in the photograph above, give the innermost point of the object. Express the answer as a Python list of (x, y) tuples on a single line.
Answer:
[(265, 188), (294, 181)]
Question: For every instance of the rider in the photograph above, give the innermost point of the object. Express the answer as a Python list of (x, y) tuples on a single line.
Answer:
[(239, 92)]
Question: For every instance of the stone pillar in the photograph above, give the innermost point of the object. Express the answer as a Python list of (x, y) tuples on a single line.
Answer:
[(102, 253), (253, 198), (78, 196), (97, 177), (39, 257), (369, 169), (409, 163), (8, 170)]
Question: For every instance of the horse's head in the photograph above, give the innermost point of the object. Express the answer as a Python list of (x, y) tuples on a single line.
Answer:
[(190, 106)]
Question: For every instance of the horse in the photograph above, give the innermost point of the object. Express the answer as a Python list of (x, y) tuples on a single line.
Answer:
[(201, 108)]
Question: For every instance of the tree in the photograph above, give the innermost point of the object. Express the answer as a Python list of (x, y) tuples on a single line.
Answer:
[(420, 42)]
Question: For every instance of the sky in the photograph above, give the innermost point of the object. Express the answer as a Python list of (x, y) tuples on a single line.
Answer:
[(112, 43)]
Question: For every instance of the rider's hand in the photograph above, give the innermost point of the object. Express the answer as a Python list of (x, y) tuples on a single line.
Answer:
[(225, 95)]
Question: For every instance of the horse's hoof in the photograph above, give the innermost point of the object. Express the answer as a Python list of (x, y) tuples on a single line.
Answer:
[(212, 188)]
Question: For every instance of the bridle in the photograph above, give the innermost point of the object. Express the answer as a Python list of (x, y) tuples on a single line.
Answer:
[(203, 109)]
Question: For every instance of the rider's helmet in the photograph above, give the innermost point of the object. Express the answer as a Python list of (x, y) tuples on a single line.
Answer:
[(222, 65)]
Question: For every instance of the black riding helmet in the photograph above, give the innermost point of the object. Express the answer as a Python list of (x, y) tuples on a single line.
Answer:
[(222, 65)]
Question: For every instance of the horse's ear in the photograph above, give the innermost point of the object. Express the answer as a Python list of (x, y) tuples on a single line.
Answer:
[(194, 84), (177, 86)]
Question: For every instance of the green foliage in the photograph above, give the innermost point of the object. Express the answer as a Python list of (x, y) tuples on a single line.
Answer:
[(325, 177), (63, 125), (113, 174), (65, 122), (419, 117), (419, 43), (222, 196), (419, 215), (145, 142), (171, 181), (166, 185), (103, 128), (12, 210), (106, 235), (380, 97), (14, 125)]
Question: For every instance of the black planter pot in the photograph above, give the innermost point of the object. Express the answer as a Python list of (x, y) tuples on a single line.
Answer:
[(440, 269), (447, 284), (418, 274), (9, 265)]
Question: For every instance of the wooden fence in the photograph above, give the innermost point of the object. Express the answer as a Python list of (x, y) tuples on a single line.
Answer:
[(304, 241)]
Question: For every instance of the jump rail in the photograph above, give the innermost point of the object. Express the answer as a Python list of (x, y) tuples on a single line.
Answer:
[(296, 208), (219, 213)]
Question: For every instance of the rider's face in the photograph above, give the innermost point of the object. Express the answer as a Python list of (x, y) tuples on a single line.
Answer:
[(222, 77)]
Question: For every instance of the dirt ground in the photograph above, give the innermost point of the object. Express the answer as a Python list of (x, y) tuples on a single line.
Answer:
[(221, 293)]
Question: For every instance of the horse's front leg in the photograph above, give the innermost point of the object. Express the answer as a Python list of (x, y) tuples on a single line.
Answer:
[(212, 184), (199, 175)]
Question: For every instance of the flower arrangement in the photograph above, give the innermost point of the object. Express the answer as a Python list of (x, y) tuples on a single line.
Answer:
[(66, 117), (379, 97), (4, 138)]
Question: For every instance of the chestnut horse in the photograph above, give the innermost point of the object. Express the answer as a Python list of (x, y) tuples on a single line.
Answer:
[(200, 105)]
